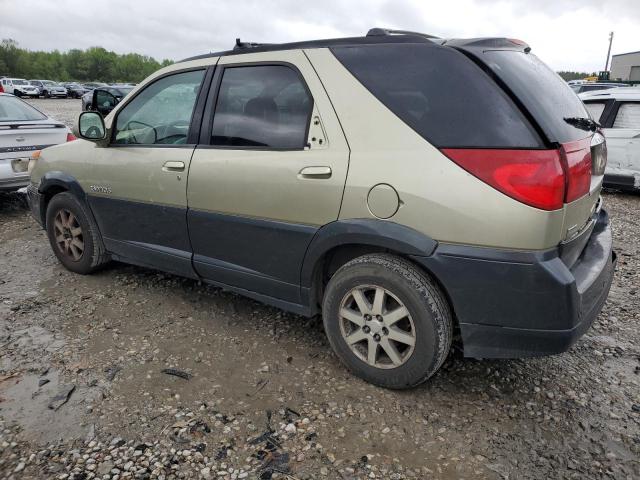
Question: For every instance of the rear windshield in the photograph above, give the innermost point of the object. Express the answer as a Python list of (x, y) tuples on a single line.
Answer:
[(13, 109), (542, 92), (441, 94)]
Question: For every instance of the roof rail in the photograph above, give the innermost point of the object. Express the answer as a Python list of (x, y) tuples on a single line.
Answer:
[(378, 32), (240, 45)]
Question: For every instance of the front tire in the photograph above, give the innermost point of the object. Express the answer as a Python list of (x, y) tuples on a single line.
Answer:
[(387, 321), (73, 235)]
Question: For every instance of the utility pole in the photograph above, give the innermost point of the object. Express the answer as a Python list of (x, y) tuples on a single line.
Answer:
[(606, 65)]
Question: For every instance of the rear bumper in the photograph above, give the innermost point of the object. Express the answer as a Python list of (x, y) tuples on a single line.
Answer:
[(621, 181), (525, 304), (12, 177), (13, 183)]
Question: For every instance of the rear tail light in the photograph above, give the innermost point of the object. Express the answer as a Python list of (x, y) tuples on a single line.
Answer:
[(598, 154), (1, 89), (534, 177), (577, 163), (71, 137), (544, 179)]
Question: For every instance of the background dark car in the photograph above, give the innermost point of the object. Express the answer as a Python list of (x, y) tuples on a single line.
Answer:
[(111, 96), (93, 85), (75, 89)]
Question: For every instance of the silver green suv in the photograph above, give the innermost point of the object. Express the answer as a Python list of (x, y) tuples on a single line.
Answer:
[(410, 189)]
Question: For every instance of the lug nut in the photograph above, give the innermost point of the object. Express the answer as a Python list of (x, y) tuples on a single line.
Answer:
[(366, 329), (385, 330), (376, 337), (379, 318), (367, 317)]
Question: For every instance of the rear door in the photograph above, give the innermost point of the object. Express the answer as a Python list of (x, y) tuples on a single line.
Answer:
[(623, 139), (268, 172)]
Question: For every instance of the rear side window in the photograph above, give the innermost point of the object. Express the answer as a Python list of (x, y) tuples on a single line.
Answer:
[(441, 94), (628, 116), (595, 109), (264, 106), (543, 93)]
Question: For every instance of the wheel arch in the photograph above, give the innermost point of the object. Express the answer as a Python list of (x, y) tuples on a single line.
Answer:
[(55, 182), (339, 242)]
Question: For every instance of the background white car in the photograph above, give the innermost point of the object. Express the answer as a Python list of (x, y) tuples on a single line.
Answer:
[(19, 87), (618, 111), (23, 130)]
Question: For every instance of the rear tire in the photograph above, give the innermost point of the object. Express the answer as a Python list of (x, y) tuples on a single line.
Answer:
[(410, 324), (73, 235)]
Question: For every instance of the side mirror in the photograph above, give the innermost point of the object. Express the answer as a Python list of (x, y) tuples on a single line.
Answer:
[(91, 126), (103, 101)]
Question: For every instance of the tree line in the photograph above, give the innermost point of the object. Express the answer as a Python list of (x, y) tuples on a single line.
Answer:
[(575, 75), (92, 64), (99, 64)]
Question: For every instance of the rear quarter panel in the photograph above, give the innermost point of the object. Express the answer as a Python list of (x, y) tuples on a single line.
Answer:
[(438, 198)]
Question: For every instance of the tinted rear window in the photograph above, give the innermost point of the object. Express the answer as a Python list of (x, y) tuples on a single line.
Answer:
[(543, 93), (441, 94)]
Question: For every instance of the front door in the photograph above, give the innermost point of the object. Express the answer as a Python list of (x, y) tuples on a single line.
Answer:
[(137, 185), (269, 171)]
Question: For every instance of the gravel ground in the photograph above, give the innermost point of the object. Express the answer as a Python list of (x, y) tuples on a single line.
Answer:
[(90, 385)]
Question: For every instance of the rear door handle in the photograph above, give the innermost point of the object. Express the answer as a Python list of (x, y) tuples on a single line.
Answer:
[(315, 172), (172, 166)]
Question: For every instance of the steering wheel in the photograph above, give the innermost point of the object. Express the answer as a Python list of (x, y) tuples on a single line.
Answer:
[(176, 137), (127, 127)]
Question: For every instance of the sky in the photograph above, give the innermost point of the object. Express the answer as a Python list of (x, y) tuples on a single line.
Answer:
[(566, 34)]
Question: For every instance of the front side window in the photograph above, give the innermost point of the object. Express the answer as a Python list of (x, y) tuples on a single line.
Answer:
[(595, 109), (262, 106), (628, 116), (161, 113)]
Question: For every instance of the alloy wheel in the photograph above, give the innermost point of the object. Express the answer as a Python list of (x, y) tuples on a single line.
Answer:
[(377, 326), (68, 234)]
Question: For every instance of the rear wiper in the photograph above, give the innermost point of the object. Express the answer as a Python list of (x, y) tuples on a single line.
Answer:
[(583, 123)]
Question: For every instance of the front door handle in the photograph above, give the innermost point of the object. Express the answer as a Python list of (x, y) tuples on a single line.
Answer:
[(172, 166), (315, 172)]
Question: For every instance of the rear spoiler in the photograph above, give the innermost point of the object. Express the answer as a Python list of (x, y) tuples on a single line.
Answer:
[(15, 126), (499, 43)]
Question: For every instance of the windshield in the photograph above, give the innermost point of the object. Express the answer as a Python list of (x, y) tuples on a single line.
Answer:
[(13, 109), (543, 93), (49, 83), (20, 82)]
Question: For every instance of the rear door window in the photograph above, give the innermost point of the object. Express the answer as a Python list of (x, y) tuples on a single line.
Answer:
[(628, 116), (595, 109), (266, 106), (441, 94)]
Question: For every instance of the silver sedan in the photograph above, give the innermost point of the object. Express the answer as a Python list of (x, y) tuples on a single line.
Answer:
[(24, 130)]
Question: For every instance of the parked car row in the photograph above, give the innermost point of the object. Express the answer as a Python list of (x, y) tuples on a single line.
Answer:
[(21, 87)]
